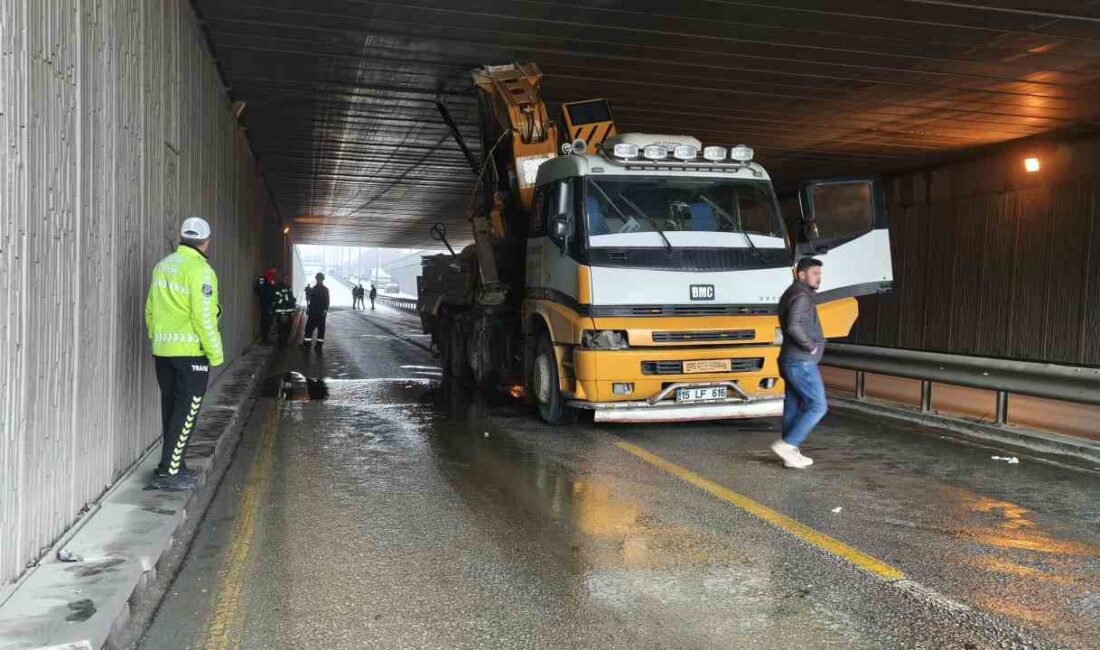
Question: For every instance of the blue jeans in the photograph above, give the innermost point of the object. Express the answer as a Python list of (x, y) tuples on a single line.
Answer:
[(805, 403)]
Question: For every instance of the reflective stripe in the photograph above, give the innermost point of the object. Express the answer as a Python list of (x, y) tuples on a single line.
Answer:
[(185, 433), (174, 337)]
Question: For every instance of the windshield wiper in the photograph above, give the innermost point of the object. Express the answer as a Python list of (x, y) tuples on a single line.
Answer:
[(634, 206), (735, 224)]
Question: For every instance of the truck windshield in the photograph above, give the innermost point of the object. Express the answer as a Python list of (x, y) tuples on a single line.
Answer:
[(681, 212)]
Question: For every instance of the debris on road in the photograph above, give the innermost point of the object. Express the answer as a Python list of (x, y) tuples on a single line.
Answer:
[(1011, 460), (837, 510)]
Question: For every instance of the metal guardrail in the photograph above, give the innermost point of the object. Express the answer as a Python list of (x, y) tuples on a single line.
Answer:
[(398, 302), (1003, 376)]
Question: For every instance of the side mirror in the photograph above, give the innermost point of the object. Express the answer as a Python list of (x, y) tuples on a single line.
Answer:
[(559, 228)]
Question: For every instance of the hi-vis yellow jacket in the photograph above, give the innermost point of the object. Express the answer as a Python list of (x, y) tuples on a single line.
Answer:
[(182, 311)]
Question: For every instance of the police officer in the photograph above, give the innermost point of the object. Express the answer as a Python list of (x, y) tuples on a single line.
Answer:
[(181, 315), (316, 313), (285, 304)]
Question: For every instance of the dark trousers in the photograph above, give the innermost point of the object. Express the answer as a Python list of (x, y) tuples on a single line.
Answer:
[(283, 322), (182, 385), (267, 316), (315, 322)]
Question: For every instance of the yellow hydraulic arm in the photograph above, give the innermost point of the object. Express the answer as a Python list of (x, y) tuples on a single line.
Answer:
[(513, 92)]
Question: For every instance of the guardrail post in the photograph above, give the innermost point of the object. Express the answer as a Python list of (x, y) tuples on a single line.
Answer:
[(1002, 407), (926, 396), (861, 384)]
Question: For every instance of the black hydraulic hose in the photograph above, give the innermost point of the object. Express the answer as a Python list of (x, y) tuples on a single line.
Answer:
[(457, 135)]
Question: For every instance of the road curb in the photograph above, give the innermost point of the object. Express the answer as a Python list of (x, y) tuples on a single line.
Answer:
[(1046, 445), (123, 541)]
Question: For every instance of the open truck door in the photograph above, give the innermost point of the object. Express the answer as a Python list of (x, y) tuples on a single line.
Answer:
[(844, 224)]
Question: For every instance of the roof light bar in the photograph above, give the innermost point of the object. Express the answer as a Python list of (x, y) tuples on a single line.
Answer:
[(655, 152)]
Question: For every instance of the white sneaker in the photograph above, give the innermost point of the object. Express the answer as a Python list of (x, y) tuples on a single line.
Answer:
[(805, 459), (789, 454)]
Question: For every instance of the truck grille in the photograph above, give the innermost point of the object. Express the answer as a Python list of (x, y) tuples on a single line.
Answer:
[(677, 367), (725, 335), (610, 311)]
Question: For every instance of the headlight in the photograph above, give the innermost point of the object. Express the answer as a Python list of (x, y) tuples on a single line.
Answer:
[(655, 152), (604, 340)]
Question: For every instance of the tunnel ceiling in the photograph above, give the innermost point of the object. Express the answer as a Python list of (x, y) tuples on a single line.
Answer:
[(340, 93)]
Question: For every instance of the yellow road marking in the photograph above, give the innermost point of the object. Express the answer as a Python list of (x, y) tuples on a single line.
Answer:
[(761, 511), (225, 623)]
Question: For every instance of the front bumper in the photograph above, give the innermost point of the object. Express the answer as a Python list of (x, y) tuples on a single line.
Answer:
[(660, 409)]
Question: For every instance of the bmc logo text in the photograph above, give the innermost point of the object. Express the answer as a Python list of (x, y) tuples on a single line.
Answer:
[(702, 292)]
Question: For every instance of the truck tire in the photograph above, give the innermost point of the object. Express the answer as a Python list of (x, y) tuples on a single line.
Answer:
[(452, 348), (546, 386)]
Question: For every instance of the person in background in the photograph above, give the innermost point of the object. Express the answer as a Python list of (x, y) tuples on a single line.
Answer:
[(309, 294), (265, 291), (357, 296), (284, 304), (316, 314), (373, 295), (181, 317), (803, 345)]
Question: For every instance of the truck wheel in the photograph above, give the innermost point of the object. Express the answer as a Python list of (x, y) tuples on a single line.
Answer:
[(546, 387), (452, 348), (459, 367)]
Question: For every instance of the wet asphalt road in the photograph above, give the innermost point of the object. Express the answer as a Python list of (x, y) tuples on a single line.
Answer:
[(398, 513)]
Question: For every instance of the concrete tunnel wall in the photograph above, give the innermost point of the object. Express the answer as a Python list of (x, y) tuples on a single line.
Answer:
[(993, 261), (114, 124)]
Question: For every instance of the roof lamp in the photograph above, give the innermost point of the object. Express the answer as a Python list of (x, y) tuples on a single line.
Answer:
[(626, 150), (741, 153), (1031, 165), (655, 152), (685, 152), (714, 154)]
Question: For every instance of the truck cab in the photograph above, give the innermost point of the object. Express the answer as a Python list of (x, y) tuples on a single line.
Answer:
[(654, 266)]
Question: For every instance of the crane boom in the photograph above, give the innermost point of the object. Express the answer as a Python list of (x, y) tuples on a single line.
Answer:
[(511, 104)]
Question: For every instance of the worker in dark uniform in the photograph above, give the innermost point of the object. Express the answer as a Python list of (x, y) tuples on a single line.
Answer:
[(181, 316), (265, 291), (285, 304), (373, 295), (316, 313)]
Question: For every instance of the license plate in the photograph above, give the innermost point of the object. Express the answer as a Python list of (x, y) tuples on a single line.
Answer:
[(700, 394), (707, 365)]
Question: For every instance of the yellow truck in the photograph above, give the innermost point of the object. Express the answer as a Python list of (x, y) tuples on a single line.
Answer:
[(635, 276)]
